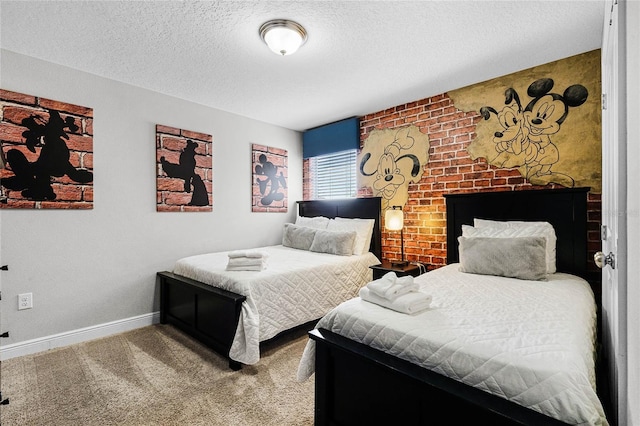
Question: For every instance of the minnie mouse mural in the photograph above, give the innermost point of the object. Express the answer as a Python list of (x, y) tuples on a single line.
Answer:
[(390, 160)]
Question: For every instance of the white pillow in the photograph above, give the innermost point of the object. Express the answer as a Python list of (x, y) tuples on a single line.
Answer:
[(522, 257), (362, 227), (538, 229), (317, 222), (298, 237), (333, 242)]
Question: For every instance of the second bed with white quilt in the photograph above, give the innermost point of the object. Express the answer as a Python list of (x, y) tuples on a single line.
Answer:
[(531, 342)]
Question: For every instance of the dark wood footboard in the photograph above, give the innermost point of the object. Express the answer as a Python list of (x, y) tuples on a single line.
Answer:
[(205, 312), (211, 314), (356, 385)]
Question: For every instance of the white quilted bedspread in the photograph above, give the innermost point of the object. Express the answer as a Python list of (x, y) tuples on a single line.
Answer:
[(531, 342), (297, 286)]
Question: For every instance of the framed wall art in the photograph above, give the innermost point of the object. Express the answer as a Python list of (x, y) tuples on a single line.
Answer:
[(269, 179), (184, 161), (46, 153)]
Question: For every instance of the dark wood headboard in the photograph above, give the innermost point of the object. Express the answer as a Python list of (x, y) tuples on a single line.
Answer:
[(565, 209), (364, 208)]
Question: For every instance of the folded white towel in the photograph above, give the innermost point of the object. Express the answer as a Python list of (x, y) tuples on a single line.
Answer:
[(392, 289), (246, 261), (381, 285), (245, 268), (247, 253), (410, 303), (406, 280)]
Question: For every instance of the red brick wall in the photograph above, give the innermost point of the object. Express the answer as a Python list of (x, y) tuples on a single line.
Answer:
[(307, 180), (449, 169), (69, 194)]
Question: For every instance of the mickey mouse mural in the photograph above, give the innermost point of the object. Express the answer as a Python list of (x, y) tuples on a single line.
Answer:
[(544, 121), (526, 133), (391, 159)]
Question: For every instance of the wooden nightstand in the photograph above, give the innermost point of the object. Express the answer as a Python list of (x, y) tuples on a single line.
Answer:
[(386, 266)]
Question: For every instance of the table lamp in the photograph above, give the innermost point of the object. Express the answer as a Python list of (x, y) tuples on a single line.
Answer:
[(394, 221)]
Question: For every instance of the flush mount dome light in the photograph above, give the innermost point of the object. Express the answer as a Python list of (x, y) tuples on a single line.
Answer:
[(282, 36)]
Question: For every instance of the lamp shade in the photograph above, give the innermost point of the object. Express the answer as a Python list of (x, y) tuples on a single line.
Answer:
[(394, 219), (282, 36)]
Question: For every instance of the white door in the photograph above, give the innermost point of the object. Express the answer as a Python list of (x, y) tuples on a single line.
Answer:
[(613, 259)]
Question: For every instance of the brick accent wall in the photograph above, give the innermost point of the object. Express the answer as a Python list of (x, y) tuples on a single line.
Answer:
[(449, 169), (15, 108), (307, 179)]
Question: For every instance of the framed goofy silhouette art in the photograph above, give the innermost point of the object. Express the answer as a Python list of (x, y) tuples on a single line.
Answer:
[(184, 170), (269, 179), (46, 153)]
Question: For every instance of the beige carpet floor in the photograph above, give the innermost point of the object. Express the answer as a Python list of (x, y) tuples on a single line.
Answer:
[(155, 376)]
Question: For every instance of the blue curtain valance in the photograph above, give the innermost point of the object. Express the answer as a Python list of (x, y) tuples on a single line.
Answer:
[(335, 137)]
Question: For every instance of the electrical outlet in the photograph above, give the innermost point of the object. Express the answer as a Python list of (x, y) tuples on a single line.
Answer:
[(25, 301)]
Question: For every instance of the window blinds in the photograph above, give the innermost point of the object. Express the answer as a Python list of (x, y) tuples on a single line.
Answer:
[(334, 175)]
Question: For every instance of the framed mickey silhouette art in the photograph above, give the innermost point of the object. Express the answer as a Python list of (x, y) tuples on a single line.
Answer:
[(269, 179)]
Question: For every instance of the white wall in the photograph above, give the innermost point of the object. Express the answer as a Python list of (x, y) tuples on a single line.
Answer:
[(93, 267)]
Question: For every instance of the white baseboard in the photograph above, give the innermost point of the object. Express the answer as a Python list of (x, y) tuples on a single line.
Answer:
[(42, 344)]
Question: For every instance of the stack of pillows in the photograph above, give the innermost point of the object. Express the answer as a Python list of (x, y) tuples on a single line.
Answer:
[(340, 236), (514, 249)]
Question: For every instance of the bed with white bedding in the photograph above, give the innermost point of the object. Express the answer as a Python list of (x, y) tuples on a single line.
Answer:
[(509, 341), (530, 342), (296, 287), (232, 311)]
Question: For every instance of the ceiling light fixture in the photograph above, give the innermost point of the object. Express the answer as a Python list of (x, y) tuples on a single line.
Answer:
[(282, 36)]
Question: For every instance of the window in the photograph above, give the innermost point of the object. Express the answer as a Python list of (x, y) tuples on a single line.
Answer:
[(334, 175)]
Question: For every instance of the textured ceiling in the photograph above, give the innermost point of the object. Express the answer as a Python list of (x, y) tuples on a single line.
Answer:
[(361, 56)]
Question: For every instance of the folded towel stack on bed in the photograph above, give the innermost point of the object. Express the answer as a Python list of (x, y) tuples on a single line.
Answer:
[(246, 260), (400, 294)]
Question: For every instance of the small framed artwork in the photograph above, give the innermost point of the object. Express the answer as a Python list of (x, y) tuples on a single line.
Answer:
[(270, 174), (184, 162), (46, 153)]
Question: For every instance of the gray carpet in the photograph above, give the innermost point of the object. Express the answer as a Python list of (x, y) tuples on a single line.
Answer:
[(155, 376)]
